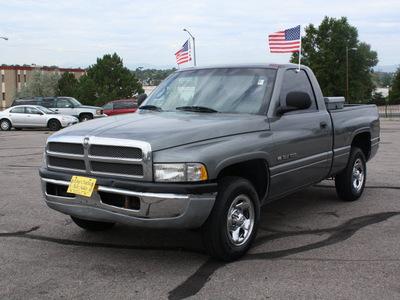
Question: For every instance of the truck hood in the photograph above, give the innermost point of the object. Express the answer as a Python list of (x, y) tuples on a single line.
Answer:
[(168, 129)]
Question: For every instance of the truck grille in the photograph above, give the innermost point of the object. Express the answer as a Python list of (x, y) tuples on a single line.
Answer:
[(100, 156), (113, 151)]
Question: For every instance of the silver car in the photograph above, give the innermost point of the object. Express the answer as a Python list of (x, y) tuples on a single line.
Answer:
[(34, 116)]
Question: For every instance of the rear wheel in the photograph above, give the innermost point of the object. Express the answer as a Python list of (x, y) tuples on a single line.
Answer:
[(233, 223), (85, 117), (351, 182), (5, 125), (54, 125), (92, 225)]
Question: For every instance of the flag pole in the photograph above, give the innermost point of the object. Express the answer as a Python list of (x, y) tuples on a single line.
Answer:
[(300, 49), (194, 46)]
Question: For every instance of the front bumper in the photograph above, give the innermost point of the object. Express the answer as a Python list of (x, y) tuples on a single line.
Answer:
[(95, 116), (122, 202)]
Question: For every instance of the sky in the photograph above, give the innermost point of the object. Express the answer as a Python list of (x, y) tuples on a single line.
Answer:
[(74, 33)]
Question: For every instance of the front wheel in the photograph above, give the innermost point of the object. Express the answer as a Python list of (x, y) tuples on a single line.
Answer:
[(351, 182), (5, 125), (92, 225), (233, 223), (54, 125), (85, 117)]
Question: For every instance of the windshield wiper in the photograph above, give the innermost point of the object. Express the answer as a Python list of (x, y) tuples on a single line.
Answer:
[(151, 107), (197, 109)]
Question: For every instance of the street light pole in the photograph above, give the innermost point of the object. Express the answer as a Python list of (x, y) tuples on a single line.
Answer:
[(4, 101), (194, 46), (347, 72), (140, 75)]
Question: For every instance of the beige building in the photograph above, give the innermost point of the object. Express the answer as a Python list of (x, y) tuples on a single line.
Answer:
[(13, 77)]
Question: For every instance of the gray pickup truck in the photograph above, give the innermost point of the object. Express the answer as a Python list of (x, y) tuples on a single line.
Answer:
[(206, 149)]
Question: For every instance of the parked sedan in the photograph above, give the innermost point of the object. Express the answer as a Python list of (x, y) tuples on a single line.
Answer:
[(34, 116)]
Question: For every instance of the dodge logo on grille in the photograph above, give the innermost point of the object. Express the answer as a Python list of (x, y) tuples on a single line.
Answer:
[(86, 141)]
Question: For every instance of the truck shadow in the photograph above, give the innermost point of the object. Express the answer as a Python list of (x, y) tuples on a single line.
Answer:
[(287, 218)]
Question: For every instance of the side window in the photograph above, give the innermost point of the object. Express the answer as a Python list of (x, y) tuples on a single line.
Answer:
[(119, 105), (125, 104), (296, 81), (131, 104), (18, 110), (63, 103), (49, 103), (25, 101), (32, 110)]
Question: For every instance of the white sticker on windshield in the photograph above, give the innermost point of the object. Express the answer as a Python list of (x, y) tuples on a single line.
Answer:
[(260, 82)]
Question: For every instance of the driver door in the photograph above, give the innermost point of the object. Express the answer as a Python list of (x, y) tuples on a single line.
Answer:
[(302, 140)]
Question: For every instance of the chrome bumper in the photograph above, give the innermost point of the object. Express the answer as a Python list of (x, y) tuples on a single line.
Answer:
[(142, 209)]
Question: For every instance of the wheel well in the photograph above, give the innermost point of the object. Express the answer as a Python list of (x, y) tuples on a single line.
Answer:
[(363, 141), (85, 113), (256, 171), (48, 122), (1, 119)]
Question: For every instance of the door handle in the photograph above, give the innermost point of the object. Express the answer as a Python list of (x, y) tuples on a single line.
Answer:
[(323, 125)]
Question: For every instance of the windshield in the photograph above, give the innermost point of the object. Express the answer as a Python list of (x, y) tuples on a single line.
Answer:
[(74, 102), (238, 90), (46, 110)]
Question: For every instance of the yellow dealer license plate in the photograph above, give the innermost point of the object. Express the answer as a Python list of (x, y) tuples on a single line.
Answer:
[(81, 185)]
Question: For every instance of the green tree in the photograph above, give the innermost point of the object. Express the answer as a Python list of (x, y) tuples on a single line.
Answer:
[(383, 79), (324, 51), (152, 76), (394, 96), (67, 85), (107, 80), (378, 99), (42, 84)]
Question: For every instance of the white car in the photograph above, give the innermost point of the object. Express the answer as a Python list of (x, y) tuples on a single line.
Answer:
[(34, 116)]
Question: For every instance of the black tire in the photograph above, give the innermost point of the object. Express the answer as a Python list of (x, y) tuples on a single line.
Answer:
[(54, 125), (92, 225), (5, 125), (351, 182), (85, 117), (232, 224)]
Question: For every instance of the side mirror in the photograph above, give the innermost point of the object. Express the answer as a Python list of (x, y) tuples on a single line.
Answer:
[(295, 101), (141, 98)]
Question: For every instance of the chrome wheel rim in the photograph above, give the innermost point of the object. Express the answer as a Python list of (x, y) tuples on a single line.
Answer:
[(358, 175), (240, 222)]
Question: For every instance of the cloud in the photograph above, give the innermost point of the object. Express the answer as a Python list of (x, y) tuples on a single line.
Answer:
[(77, 32)]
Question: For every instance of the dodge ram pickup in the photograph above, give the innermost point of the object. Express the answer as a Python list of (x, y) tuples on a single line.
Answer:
[(206, 149)]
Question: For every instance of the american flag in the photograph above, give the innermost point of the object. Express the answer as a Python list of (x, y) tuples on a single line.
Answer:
[(285, 41), (184, 54)]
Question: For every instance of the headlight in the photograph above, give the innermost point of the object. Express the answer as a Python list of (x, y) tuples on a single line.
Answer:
[(180, 172)]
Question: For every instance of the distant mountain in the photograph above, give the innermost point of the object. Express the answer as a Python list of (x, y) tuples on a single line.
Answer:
[(392, 68)]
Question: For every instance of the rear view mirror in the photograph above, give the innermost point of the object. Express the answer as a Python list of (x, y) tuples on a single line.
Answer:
[(141, 98), (295, 101)]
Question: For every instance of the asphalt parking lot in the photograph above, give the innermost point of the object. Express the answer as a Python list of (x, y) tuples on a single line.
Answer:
[(310, 245)]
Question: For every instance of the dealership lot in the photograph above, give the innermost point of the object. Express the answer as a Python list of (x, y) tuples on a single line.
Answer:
[(310, 244)]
